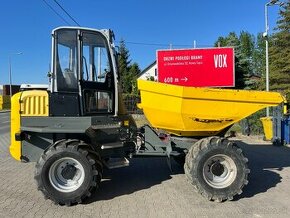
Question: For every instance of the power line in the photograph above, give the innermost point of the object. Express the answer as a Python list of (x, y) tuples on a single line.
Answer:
[(163, 44), (149, 44), (67, 13), (127, 42), (158, 44), (177, 45), (56, 12)]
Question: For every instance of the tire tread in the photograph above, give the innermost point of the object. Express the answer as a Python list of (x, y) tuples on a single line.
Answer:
[(82, 148), (203, 146)]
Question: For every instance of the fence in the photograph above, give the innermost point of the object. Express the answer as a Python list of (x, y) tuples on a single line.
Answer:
[(131, 104)]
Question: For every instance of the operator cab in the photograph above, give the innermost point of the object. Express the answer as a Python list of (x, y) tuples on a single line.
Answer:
[(83, 72)]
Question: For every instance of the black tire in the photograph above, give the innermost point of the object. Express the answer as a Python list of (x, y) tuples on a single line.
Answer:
[(217, 168), (68, 172)]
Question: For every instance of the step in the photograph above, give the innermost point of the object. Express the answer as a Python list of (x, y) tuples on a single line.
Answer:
[(113, 163), (112, 145)]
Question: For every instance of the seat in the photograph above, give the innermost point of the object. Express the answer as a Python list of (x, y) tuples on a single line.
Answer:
[(70, 79)]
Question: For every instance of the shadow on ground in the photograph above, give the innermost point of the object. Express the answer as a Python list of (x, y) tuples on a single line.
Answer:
[(142, 173), (265, 162)]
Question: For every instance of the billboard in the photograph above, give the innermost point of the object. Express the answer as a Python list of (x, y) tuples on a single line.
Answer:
[(207, 67)]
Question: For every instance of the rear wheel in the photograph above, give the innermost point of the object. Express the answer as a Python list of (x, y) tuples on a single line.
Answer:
[(68, 172), (217, 168)]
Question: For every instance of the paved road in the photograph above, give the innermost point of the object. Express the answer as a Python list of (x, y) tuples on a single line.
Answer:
[(4, 122), (148, 189)]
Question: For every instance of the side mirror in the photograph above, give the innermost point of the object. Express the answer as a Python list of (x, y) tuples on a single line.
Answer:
[(49, 75)]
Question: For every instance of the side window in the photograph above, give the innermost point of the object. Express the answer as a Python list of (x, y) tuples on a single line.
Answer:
[(95, 58), (103, 66), (98, 101), (97, 78), (66, 61)]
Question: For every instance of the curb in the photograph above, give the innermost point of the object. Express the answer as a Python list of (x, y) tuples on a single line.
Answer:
[(4, 111)]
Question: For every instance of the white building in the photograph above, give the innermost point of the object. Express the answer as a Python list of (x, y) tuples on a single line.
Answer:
[(1, 89), (149, 73)]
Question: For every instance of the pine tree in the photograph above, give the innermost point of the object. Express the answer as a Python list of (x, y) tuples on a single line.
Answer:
[(279, 53), (123, 64), (133, 72), (128, 72), (259, 57), (246, 49)]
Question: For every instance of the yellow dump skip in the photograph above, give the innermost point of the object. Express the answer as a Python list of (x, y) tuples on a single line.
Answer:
[(188, 111)]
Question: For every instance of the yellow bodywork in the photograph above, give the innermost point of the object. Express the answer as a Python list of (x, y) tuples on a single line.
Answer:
[(188, 111), (34, 103), (15, 147), (24, 104)]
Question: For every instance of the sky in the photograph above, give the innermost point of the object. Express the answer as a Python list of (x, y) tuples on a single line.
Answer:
[(145, 25)]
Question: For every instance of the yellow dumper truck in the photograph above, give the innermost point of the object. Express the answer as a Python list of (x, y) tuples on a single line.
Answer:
[(78, 126)]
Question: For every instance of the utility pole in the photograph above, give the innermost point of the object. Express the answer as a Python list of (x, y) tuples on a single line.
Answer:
[(10, 71), (271, 3)]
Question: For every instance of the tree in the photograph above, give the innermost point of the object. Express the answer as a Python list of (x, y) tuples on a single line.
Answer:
[(131, 79), (128, 72), (246, 54), (259, 57), (279, 53), (123, 64)]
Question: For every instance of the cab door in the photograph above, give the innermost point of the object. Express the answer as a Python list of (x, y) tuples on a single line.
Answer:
[(97, 77)]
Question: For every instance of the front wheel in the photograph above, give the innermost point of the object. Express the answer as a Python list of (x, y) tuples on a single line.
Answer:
[(68, 172), (217, 168)]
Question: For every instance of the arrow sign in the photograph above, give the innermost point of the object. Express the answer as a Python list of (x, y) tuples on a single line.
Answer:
[(184, 79)]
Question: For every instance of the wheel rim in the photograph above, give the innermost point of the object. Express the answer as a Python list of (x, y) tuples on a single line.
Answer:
[(66, 174), (219, 171)]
